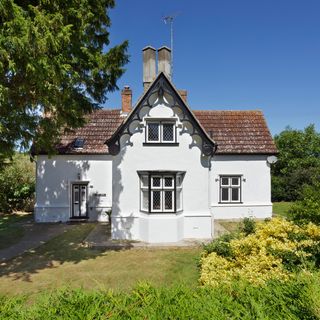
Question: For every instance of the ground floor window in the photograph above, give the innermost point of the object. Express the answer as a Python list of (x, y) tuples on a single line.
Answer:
[(230, 189), (161, 192)]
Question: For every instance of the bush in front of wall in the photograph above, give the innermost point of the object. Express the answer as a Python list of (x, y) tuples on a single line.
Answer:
[(274, 251)]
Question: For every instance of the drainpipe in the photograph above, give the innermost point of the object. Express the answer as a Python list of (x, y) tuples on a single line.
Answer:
[(209, 187)]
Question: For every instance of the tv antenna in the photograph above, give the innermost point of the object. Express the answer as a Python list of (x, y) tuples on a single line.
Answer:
[(169, 20)]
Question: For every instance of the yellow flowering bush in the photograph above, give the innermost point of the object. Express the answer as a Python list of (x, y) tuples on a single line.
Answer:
[(274, 250)]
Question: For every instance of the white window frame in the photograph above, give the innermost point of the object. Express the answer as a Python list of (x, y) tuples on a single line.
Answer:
[(162, 188), (230, 187), (160, 131), (144, 188), (179, 190)]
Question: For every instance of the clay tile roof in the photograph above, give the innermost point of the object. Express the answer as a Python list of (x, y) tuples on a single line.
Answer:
[(235, 132), (100, 126)]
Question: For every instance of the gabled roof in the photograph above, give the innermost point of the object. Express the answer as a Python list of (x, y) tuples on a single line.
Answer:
[(160, 85), (235, 132)]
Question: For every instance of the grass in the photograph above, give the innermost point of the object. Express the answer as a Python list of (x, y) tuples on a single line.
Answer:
[(10, 229), (63, 261), (281, 208), (278, 208)]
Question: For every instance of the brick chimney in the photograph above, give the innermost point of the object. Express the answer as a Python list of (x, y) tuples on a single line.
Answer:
[(164, 61), (126, 99), (183, 94), (149, 66)]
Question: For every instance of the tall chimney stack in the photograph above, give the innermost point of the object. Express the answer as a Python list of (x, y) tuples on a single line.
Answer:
[(149, 66), (126, 100), (164, 61)]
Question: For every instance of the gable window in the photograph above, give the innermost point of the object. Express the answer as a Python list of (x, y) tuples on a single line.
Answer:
[(160, 132), (161, 192), (230, 189)]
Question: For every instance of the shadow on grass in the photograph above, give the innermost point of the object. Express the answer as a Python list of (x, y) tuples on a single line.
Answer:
[(67, 247), (11, 228)]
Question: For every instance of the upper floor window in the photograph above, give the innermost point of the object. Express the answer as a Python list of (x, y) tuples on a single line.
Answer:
[(230, 189), (160, 132)]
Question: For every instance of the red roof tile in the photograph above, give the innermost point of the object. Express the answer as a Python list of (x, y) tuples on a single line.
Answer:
[(235, 132), (100, 126)]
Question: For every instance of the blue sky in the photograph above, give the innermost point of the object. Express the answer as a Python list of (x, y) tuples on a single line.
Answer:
[(231, 54)]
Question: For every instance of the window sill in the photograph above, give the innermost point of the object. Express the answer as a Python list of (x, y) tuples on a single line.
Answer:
[(164, 144), (230, 202), (161, 212)]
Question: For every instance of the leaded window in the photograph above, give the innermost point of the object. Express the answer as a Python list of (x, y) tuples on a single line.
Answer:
[(230, 189), (160, 132), (161, 192)]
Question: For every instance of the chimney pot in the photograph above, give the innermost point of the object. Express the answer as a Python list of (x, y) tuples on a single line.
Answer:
[(164, 61), (149, 66), (126, 99)]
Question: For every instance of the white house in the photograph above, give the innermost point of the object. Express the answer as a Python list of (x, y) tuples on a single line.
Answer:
[(164, 171)]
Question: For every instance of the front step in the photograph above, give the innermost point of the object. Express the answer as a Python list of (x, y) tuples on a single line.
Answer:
[(77, 220)]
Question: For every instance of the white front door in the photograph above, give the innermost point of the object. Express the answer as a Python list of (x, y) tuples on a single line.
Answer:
[(79, 200)]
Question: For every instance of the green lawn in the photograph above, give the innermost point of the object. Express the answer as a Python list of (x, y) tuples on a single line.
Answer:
[(281, 208), (10, 230), (63, 261)]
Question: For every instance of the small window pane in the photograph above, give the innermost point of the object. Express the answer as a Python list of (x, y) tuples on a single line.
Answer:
[(179, 199), (168, 182), (235, 194), (168, 132), (168, 200), (224, 194), (79, 143), (156, 182), (179, 180), (156, 200), (145, 200), (235, 181), (225, 181), (144, 181), (153, 132)]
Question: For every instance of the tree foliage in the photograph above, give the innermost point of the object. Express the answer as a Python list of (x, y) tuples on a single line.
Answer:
[(298, 162), (54, 59), (17, 184), (308, 208)]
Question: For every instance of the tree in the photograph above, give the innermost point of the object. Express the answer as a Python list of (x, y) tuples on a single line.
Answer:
[(298, 162), (17, 184), (53, 61)]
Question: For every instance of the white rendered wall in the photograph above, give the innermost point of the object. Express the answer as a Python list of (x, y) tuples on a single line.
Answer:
[(55, 176), (134, 157), (256, 186)]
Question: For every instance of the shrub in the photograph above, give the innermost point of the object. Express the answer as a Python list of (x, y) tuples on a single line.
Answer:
[(17, 184), (220, 245), (273, 251), (296, 299), (248, 226), (308, 209)]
